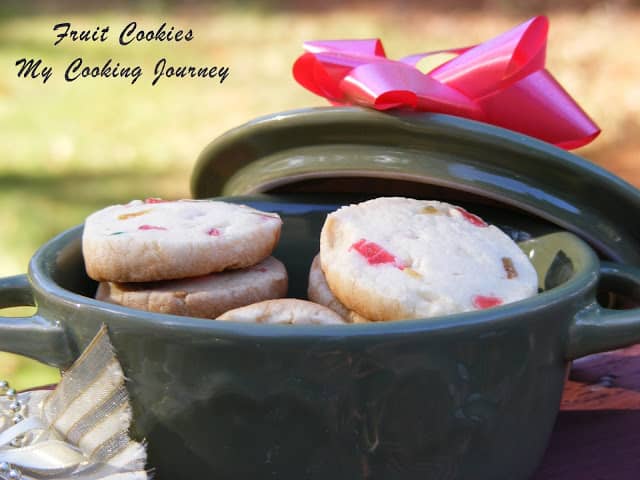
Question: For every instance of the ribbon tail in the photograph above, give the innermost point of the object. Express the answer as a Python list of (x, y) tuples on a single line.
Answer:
[(52, 457), (552, 115)]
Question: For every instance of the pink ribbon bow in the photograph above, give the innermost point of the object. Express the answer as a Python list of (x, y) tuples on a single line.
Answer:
[(502, 81)]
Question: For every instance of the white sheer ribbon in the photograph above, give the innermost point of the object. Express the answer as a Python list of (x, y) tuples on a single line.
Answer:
[(79, 430)]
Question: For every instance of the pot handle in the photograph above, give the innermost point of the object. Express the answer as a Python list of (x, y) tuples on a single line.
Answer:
[(598, 329), (33, 336)]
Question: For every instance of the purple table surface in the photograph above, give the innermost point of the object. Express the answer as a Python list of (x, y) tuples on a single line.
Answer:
[(597, 432)]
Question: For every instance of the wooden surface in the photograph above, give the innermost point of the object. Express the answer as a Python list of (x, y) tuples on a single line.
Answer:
[(597, 433)]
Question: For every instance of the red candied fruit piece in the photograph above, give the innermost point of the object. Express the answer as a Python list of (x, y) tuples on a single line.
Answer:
[(154, 200), (374, 253), (150, 227), (214, 232), (471, 218), (486, 301)]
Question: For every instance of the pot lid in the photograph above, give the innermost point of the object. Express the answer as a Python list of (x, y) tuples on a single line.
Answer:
[(350, 149)]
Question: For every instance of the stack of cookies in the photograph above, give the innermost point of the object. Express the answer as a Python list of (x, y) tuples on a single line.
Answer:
[(188, 257), (399, 258)]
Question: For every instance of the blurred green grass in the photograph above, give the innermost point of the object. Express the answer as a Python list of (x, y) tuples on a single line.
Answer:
[(67, 149)]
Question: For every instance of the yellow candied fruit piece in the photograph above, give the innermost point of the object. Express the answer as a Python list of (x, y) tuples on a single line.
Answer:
[(412, 273), (125, 216), (430, 209)]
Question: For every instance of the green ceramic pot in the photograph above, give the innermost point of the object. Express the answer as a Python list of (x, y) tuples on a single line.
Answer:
[(466, 396), (427, 156)]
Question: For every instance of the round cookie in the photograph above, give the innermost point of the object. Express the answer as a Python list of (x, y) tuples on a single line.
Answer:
[(396, 258), (155, 240), (286, 311), (207, 296), (319, 292)]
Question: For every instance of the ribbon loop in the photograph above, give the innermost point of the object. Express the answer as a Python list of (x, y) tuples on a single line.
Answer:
[(499, 62), (502, 81), (47, 458), (9, 434)]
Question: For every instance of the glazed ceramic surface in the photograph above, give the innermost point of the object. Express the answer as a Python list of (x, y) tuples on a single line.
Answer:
[(352, 149), (467, 396)]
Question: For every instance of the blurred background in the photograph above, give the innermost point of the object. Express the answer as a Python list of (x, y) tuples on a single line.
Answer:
[(67, 149)]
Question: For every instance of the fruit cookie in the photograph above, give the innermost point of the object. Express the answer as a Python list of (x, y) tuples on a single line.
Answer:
[(286, 311), (395, 258), (207, 296), (152, 240), (319, 292)]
